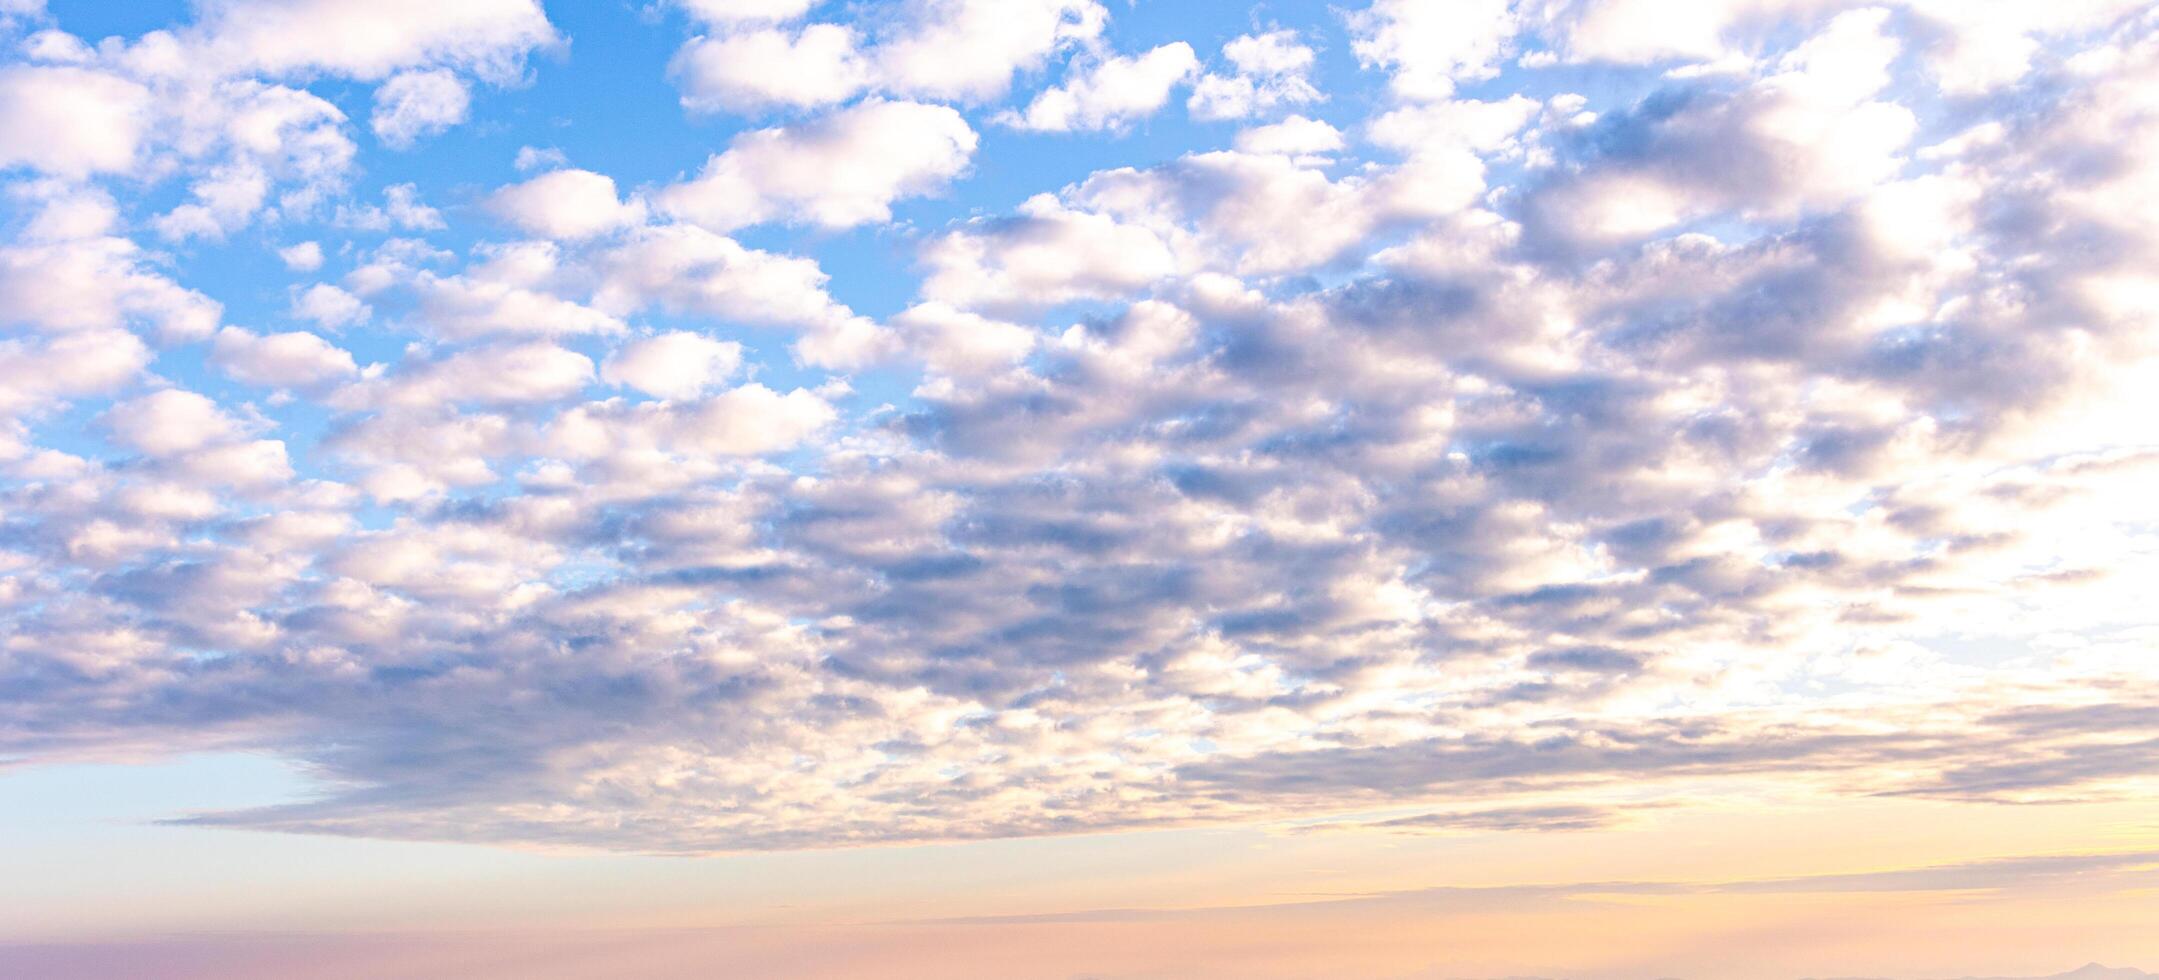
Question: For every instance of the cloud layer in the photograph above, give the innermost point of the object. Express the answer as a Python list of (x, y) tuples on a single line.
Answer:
[(1779, 417)]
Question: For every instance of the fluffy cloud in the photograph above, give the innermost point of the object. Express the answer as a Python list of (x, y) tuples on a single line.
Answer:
[(1270, 70), (302, 256), (674, 365), (1295, 136), (512, 289), (565, 204), (419, 103), (968, 49), (169, 422), (1044, 255), (329, 306), (1430, 47), (38, 372), (370, 39), (943, 50), (770, 67), (499, 374), (686, 269), (1811, 134), (97, 282), (954, 341), (70, 121), (744, 421), (1111, 93), (837, 171), (280, 360)]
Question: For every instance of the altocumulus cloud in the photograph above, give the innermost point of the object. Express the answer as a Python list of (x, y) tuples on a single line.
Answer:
[(1484, 446)]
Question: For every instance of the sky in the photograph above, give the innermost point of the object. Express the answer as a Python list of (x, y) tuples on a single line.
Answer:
[(1611, 489)]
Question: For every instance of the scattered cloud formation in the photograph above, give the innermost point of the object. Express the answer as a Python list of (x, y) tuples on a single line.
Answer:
[(977, 422)]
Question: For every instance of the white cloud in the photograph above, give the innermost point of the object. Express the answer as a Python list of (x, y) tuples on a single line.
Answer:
[(1461, 123), (957, 342), (537, 158), (565, 205), (61, 212), (1810, 135), (1295, 136), (35, 371), (676, 365), (1110, 93), (401, 202), (302, 256), (497, 374), (937, 50), (98, 282), (515, 289), (684, 268), (1045, 255), (968, 49), (1270, 70), (1267, 214), (746, 421), (280, 360), (70, 121), (370, 39), (838, 171), (330, 307), (1430, 45), (414, 104), (771, 67), (169, 422)]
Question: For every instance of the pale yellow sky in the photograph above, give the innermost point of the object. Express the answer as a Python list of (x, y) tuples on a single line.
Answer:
[(1753, 884)]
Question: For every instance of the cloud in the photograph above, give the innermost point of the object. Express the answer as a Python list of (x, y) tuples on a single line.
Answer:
[(370, 40), (933, 50), (770, 67), (1430, 48), (565, 205), (674, 365), (169, 422), (838, 171), (414, 104), (84, 121), (39, 371), (532, 371), (967, 50), (1112, 93), (282, 360), (1810, 135), (98, 282), (330, 307), (1271, 70), (1464, 462), (1042, 256), (1293, 137), (954, 341), (511, 290), (684, 268), (301, 256), (744, 421)]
